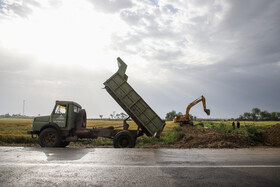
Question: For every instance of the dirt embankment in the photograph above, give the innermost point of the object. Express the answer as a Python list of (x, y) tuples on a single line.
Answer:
[(271, 135), (210, 138)]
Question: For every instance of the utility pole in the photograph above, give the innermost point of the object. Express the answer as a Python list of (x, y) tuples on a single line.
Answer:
[(23, 107)]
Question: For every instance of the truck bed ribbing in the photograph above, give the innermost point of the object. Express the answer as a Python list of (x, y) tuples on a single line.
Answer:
[(131, 102)]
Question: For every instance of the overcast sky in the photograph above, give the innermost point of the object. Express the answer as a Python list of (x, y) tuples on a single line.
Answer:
[(176, 51)]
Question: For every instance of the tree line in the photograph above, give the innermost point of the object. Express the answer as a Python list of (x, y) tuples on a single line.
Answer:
[(257, 115), (14, 116), (171, 115), (115, 115)]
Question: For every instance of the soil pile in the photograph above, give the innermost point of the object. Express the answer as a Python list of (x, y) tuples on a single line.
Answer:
[(210, 138), (271, 135)]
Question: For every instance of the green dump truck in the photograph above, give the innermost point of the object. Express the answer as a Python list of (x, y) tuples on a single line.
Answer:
[(67, 121)]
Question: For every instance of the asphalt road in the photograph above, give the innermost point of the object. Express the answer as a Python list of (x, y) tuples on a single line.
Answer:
[(26, 166)]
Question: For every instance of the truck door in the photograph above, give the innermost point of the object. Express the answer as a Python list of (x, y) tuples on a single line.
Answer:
[(60, 115)]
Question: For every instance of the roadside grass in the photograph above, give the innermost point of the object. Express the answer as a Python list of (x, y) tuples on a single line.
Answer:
[(167, 137), (13, 131), (171, 133)]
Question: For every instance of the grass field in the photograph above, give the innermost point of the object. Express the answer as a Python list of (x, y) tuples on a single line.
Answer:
[(13, 131)]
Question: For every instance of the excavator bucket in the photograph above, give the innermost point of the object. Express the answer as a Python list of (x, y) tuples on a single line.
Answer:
[(207, 111)]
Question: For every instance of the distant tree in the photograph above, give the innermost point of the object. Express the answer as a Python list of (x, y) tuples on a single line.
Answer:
[(179, 114), (118, 116), (241, 118), (275, 116), (170, 115), (256, 113), (112, 116), (101, 116), (7, 115), (247, 116), (123, 115), (278, 116), (264, 115)]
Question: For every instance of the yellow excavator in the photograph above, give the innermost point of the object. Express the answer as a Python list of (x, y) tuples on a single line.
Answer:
[(184, 120)]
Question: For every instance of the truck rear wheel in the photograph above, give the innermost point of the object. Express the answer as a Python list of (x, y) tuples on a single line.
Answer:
[(124, 139), (49, 137)]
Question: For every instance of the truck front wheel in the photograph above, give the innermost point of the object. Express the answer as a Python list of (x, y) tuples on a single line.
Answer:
[(49, 137), (124, 139)]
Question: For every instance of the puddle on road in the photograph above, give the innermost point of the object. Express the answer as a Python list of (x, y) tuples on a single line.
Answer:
[(62, 154)]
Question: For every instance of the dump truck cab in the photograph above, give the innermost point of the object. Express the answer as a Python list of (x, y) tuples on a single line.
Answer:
[(64, 115), (65, 118)]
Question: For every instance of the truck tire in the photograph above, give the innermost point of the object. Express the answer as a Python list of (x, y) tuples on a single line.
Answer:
[(124, 139), (49, 137)]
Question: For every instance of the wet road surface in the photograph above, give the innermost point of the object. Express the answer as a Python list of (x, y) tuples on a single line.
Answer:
[(27, 166)]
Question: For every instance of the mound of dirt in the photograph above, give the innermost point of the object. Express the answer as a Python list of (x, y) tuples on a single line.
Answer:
[(271, 135), (210, 138)]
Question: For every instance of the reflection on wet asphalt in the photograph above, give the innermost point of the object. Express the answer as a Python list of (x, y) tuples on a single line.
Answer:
[(20, 166)]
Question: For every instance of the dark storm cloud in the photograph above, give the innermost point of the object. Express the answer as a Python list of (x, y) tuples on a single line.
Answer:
[(111, 6), (254, 25)]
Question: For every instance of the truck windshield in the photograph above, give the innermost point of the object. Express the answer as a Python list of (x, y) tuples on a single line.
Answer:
[(60, 109)]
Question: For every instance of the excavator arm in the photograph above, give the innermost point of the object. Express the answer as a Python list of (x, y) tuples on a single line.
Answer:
[(201, 98)]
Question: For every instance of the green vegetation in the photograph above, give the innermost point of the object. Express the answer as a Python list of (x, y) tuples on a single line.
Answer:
[(249, 129), (171, 115), (13, 131), (166, 138)]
